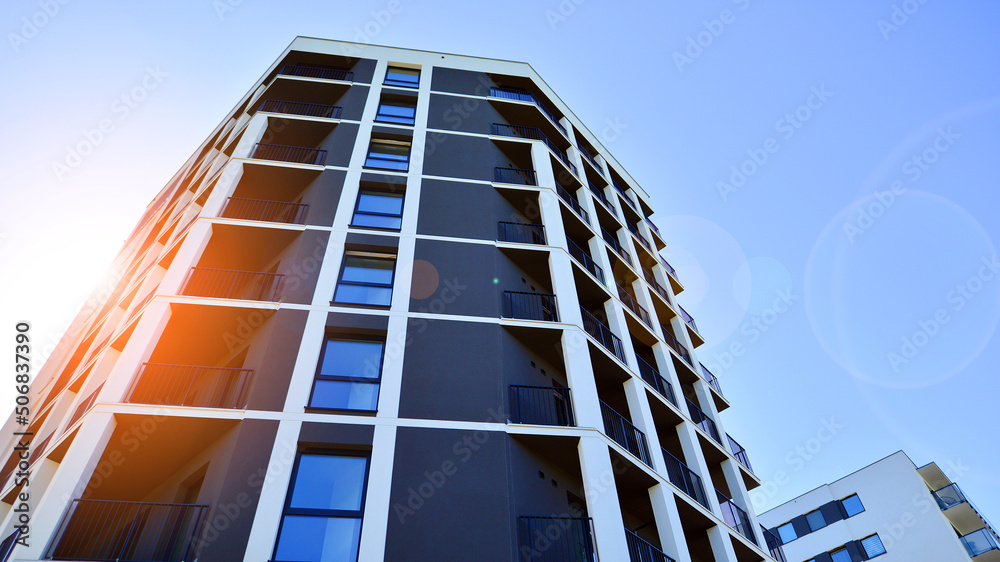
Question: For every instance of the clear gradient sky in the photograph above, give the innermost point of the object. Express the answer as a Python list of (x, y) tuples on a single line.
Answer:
[(824, 173)]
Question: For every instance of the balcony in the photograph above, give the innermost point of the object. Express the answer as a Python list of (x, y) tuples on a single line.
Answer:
[(638, 235), (685, 479), (584, 259), (675, 345), (530, 306), (652, 376), (588, 157), (604, 336), (541, 405), (128, 531), (518, 94), (981, 545), (573, 203), (621, 431), (735, 517), (641, 550), (232, 284), (612, 241), (696, 338), (556, 539), (84, 406), (321, 72), (190, 385), (629, 301), (304, 109), (602, 198), (958, 509), (739, 452), (712, 380), (284, 153), (263, 210), (621, 191), (651, 279), (773, 545), (532, 133), (703, 421), (515, 176), (521, 233), (674, 281)]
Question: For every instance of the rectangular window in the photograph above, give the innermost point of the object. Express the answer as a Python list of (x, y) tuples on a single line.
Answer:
[(399, 76), (840, 555), (366, 279), (852, 505), (388, 154), (348, 376), (322, 517), (397, 111), (378, 209), (872, 546), (816, 520), (787, 533)]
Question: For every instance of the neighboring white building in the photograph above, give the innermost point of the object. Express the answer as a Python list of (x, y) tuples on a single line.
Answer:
[(891, 510)]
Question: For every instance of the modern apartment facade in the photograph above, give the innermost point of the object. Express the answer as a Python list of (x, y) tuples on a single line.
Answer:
[(400, 305), (890, 510)]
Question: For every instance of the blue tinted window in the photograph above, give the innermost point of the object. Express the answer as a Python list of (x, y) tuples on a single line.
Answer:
[(852, 505), (323, 539), (816, 520), (841, 555), (398, 76), (352, 358), (379, 209), (344, 395), (787, 533), (366, 280), (873, 546), (389, 155), (329, 482), (401, 112), (361, 294), (348, 376)]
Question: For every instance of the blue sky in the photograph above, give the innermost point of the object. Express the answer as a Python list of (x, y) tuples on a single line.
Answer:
[(823, 173)]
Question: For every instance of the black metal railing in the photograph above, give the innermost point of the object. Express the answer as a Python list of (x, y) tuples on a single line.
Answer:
[(735, 517), (701, 419), (541, 405), (584, 259), (532, 133), (264, 210), (713, 381), (517, 176), (37, 449), (621, 431), (302, 108), (666, 265), (651, 279), (603, 334), (655, 380), (687, 318), (127, 531), (519, 94), (641, 550), (294, 154), (602, 197), (739, 452), (621, 191), (590, 158), (573, 203), (190, 385), (9, 544), (675, 345), (530, 306), (612, 241), (685, 479), (773, 545), (556, 539), (520, 232), (653, 227), (85, 406), (634, 306), (232, 284), (638, 235), (322, 72)]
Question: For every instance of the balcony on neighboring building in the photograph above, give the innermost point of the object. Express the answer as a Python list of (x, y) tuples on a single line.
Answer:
[(655, 380), (641, 550), (736, 517), (321, 110), (292, 154), (530, 306), (533, 133), (739, 452), (190, 385), (981, 545), (565, 539), (701, 419), (681, 476), (583, 258), (541, 405), (520, 94), (321, 72), (603, 334), (514, 176), (521, 233), (232, 284), (127, 531), (263, 210), (621, 431), (958, 509), (773, 545)]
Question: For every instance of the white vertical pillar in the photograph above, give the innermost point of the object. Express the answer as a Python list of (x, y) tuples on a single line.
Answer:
[(264, 531), (602, 499), (722, 545), (668, 522), (580, 377), (304, 370), (377, 507), (642, 419)]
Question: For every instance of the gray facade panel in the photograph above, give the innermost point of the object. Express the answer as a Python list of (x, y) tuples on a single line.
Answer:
[(345, 436), (455, 278), (460, 210), (472, 115), (323, 197), (273, 355), (457, 81), (301, 264), (460, 156), (340, 144)]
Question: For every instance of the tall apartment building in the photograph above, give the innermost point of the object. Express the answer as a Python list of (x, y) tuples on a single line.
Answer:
[(400, 305), (891, 511)]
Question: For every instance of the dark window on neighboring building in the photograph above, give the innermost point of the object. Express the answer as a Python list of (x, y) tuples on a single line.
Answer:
[(388, 154), (816, 520), (872, 546), (399, 76), (348, 375), (397, 111), (378, 209), (840, 555), (366, 279), (852, 505), (323, 509), (787, 533)]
